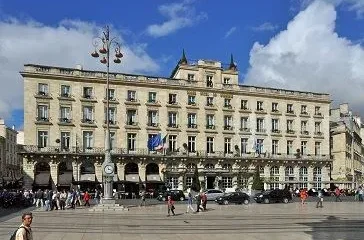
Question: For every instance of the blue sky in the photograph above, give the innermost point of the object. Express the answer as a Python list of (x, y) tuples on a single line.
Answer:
[(297, 44)]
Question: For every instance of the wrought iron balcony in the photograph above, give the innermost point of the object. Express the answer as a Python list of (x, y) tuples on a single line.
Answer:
[(172, 125), (87, 120), (65, 120), (210, 127), (192, 125), (42, 119)]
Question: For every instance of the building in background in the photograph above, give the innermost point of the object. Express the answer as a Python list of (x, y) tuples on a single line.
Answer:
[(9, 160), (347, 147), (205, 119)]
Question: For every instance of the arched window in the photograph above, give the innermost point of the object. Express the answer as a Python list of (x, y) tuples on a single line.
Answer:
[(131, 168), (209, 166), (191, 167), (303, 178), (227, 166), (317, 178), (152, 168), (274, 177), (289, 174), (274, 171)]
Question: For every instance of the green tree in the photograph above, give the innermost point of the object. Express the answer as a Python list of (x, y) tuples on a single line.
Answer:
[(195, 181), (257, 181)]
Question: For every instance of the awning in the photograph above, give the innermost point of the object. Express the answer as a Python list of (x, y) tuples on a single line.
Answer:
[(89, 177), (132, 178), (154, 178), (65, 178), (42, 179)]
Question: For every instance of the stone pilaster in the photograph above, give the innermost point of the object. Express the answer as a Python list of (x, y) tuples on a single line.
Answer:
[(76, 171), (325, 176), (28, 174), (180, 182), (310, 177), (266, 176), (98, 171), (121, 171), (161, 173), (235, 181), (282, 176), (54, 174), (142, 174), (296, 172)]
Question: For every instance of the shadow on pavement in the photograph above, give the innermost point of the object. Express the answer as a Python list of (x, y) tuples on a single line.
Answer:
[(9, 213), (334, 228)]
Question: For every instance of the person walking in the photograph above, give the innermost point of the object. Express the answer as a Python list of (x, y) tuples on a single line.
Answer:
[(303, 196), (320, 199), (204, 201), (142, 197), (189, 202), (360, 193), (62, 200), (86, 198), (170, 204), (24, 232), (198, 202), (337, 195)]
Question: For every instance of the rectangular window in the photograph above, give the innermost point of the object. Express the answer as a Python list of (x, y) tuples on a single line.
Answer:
[(317, 110), (131, 117), (88, 141), (290, 108), (227, 145), (191, 144), (228, 123), (43, 113), (153, 118), (43, 89), (112, 115), (191, 100), (289, 147), (209, 101), (131, 141), (88, 115), (65, 140), (303, 109), (244, 123), (275, 125), (274, 107), (65, 113), (192, 120), (290, 126), (227, 103), (317, 127), (244, 104), (210, 121), (274, 147), (88, 92), (317, 148), (244, 145), (304, 147), (260, 146), (304, 128), (172, 98), (226, 182), (152, 97), (259, 106), (227, 81), (172, 143), (209, 81), (65, 91), (111, 94), (191, 77), (131, 97), (172, 182), (189, 181), (172, 119), (42, 139), (260, 125), (210, 144)]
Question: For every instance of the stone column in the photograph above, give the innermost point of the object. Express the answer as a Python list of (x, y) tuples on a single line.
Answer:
[(161, 174), (282, 176), (310, 177), (266, 175), (98, 171), (28, 173), (142, 173), (235, 182), (76, 170), (296, 172), (325, 176), (54, 174), (181, 182), (121, 171)]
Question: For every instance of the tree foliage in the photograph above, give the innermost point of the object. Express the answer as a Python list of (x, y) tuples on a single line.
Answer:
[(195, 181), (257, 181)]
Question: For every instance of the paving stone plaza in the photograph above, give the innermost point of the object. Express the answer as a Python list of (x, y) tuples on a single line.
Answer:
[(255, 221)]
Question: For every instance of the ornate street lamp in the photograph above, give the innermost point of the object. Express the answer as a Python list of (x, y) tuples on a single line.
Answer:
[(105, 44)]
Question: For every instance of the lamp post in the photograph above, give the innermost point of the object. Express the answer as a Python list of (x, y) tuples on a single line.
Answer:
[(107, 45)]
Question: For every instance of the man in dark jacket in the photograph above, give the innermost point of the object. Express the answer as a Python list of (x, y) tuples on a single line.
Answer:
[(198, 202)]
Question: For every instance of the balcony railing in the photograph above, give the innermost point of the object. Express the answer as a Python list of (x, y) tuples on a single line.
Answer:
[(173, 125), (192, 125), (210, 127), (144, 151), (42, 119), (65, 120), (88, 121)]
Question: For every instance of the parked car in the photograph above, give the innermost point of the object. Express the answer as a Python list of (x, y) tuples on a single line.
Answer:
[(176, 195), (212, 194), (233, 197), (273, 196)]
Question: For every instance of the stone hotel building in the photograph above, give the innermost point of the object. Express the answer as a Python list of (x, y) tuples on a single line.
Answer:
[(208, 121)]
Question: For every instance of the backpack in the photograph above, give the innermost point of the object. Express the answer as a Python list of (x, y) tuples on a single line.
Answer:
[(13, 236)]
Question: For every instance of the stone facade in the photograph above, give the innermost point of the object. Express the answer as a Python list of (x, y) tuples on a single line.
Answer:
[(9, 161), (347, 147), (206, 119)]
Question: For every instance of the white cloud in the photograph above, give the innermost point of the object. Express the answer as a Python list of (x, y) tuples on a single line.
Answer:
[(309, 55), (179, 15), (351, 5), (229, 32), (267, 26), (68, 44)]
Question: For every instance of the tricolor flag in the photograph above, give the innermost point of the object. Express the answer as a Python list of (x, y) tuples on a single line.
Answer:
[(157, 143)]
